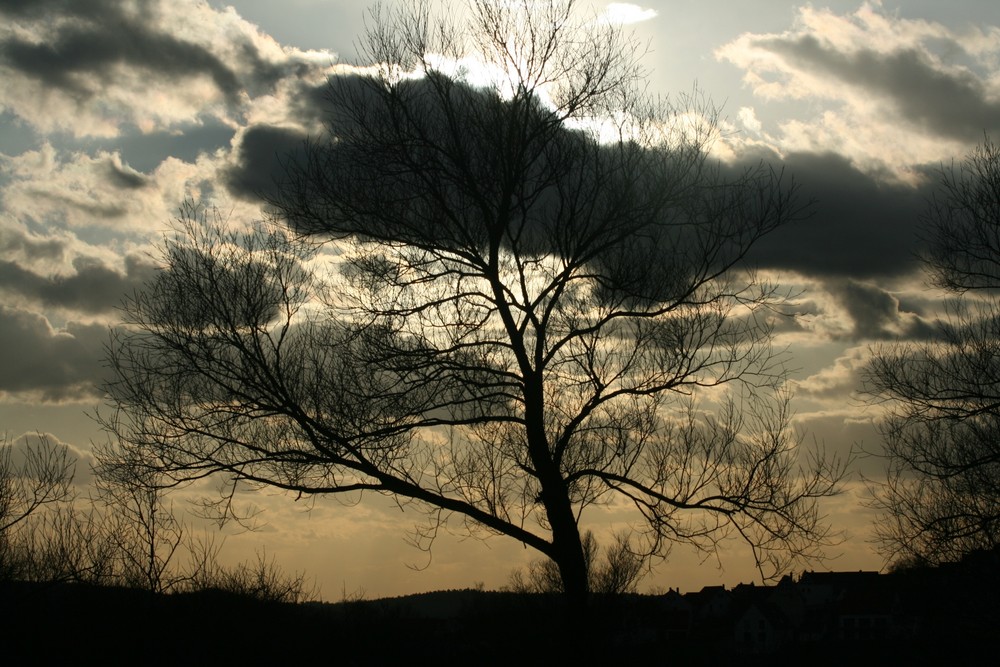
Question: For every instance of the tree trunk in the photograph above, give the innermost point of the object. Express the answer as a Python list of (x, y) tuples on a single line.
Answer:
[(568, 555), (567, 548)]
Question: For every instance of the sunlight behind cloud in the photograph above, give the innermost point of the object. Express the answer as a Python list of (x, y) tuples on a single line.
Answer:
[(474, 71)]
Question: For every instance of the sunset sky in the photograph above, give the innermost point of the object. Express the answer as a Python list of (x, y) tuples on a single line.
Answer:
[(114, 112)]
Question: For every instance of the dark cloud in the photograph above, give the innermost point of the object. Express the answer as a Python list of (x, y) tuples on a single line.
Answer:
[(94, 288), (262, 157), (920, 304), (877, 314), (57, 366), (872, 309), (953, 104), (265, 151), (858, 227), (203, 287), (38, 9), (858, 224), (312, 106)]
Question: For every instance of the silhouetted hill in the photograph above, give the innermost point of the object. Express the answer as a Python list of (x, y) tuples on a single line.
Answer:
[(944, 615), (56, 623)]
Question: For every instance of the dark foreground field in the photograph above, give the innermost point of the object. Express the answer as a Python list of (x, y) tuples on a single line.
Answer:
[(59, 624)]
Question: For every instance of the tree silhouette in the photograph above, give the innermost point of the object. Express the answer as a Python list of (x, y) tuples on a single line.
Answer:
[(538, 290), (32, 477), (941, 499)]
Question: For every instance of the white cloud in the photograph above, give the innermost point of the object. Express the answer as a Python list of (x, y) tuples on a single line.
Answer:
[(748, 118), (894, 92), (76, 190), (624, 13), (838, 380)]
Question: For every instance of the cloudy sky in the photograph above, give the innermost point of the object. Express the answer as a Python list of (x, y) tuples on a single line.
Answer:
[(114, 112)]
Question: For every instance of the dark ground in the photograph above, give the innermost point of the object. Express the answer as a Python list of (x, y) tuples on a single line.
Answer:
[(73, 623)]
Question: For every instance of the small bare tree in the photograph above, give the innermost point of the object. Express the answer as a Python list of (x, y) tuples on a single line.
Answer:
[(147, 537), (31, 478), (262, 579), (538, 268), (67, 543), (36, 475)]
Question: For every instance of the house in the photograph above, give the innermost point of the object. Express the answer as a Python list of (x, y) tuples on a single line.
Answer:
[(711, 602), (819, 589), (677, 616), (762, 628), (865, 614)]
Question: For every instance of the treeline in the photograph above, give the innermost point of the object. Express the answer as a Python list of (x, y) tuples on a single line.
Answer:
[(124, 534)]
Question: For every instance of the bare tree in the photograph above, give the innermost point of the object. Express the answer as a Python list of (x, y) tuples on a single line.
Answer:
[(34, 476), (262, 580), (540, 299), (66, 543), (31, 478), (941, 499), (620, 570), (147, 539)]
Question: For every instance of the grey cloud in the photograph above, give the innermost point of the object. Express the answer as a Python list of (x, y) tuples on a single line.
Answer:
[(84, 459), (94, 288), (125, 177), (16, 136), (877, 314), (13, 241), (952, 104), (145, 151), (842, 435), (81, 54), (858, 227), (96, 209), (57, 366), (786, 321), (96, 49)]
